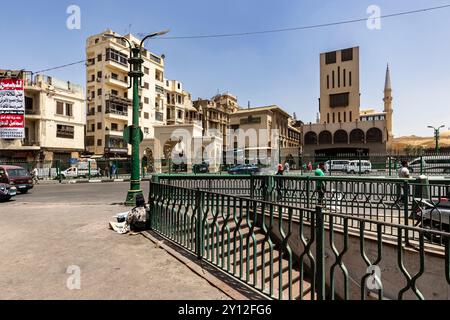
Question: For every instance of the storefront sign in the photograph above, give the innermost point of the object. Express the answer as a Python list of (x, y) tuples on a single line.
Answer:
[(12, 109)]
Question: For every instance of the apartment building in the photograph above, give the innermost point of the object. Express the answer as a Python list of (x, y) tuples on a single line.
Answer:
[(55, 119), (343, 128), (268, 133), (215, 113), (180, 108), (109, 98)]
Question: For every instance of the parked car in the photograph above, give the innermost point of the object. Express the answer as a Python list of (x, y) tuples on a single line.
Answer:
[(201, 168), (7, 192), (336, 165), (354, 166), (244, 169), (434, 164), (17, 177)]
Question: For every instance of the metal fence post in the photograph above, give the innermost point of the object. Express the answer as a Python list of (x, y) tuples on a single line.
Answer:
[(320, 254), (58, 170), (199, 224), (390, 165), (89, 170), (421, 165), (308, 191)]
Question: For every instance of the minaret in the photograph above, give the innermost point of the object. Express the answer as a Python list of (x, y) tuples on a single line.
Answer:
[(388, 105)]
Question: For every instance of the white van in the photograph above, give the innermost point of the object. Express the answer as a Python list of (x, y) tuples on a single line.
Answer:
[(431, 164), (353, 166), (336, 165)]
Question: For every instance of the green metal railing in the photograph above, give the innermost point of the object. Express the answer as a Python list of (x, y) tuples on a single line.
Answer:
[(284, 251), (387, 199)]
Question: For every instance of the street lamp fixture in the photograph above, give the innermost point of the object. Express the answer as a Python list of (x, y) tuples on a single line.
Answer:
[(436, 136), (133, 134)]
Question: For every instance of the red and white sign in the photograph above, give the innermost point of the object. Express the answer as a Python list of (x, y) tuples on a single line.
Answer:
[(12, 109)]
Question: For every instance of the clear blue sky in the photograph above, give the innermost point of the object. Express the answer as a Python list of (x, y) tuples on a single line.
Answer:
[(281, 68)]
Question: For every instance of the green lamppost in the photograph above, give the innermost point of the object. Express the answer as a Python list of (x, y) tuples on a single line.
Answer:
[(133, 134), (436, 136)]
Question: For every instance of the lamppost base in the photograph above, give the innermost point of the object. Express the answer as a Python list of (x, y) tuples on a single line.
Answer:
[(131, 197)]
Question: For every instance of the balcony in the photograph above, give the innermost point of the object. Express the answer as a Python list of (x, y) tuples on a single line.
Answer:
[(32, 113), (118, 100), (114, 133), (159, 116), (159, 89), (115, 81)]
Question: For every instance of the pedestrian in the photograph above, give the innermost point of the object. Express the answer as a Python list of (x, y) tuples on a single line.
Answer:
[(403, 173), (280, 169), (310, 167), (113, 170), (286, 167), (320, 185), (35, 175)]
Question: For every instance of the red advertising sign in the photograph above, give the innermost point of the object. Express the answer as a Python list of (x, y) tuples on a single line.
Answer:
[(12, 109)]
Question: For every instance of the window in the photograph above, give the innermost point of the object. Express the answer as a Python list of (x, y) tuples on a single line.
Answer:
[(125, 95), (310, 138), (350, 78), (179, 99), (97, 40), (92, 94), (328, 81), (347, 54), (89, 141), (146, 70), (93, 127), (114, 76), (114, 92), (339, 100), (345, 116), (333, 78), (99, 126), (339, 77), (328, 118), (66, 132), (114, 126), (99, 58), (146, 85), (180, 114), (99, 74), (60, 108), (99, 142), (334, 118), (345, 77), (28, 103), (350, 116), (116, 56), (99, 92), (69, 110), (146, 100), (339, 117), (330, 57), (146, 115), (179, 86), (146, 131)]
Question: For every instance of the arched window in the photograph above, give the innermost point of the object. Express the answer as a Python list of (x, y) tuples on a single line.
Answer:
[(357, 136), (341, 136), (310, 138), (325, 137), (374, 135)]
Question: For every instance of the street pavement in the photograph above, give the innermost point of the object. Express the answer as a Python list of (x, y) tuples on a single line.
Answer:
[(56, 232)]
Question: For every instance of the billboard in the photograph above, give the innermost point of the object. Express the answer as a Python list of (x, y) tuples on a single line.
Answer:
[(12, 109)]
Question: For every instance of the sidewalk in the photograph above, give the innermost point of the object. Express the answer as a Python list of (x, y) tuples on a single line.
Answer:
[(40, 241)]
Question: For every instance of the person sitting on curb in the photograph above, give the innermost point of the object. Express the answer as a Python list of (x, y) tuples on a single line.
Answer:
[(135, 220)]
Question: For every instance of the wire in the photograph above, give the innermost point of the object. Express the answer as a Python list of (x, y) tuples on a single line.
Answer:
[(272, 31), (305, 27)]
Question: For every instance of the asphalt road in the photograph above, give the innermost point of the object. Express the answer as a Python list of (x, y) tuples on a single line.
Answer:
[(95, 193)]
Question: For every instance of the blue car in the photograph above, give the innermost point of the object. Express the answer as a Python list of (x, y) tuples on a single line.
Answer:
[(244, 169)]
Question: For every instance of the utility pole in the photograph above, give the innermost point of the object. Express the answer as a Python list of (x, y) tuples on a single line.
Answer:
[(133, 134), (436, 136)]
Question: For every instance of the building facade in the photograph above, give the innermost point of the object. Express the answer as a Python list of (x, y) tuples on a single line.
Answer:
[(343, 128), (55, 118), (267, 132), (109, 98)]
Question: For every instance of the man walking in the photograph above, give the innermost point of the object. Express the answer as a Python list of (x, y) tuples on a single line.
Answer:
[(320, 185), (403, 173)]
